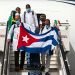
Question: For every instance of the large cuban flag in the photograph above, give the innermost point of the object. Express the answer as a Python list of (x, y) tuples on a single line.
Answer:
[(37, 43)]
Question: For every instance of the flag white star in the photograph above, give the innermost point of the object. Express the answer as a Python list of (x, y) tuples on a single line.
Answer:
[(25, 38)]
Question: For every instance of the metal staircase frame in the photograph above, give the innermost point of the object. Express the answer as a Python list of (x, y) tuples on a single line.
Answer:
[(5, 62)]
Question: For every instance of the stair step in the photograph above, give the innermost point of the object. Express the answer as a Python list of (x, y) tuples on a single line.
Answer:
[(18, 73), (51, 62), (12, 53), (54, 55), (52, 67), (52, 59), (26, 73)]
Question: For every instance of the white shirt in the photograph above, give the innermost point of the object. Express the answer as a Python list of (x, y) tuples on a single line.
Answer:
[(16, 31), (30, 19), (44, 30), (13, 30)]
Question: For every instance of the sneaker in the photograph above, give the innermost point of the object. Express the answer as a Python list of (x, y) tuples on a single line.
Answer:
[(42, 68), (21, 67), (47, 73), (17, 69)]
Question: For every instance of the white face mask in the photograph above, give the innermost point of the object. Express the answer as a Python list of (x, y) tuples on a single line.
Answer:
[(28, 9)]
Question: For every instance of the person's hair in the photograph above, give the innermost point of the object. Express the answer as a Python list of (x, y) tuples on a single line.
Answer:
[(18, 8), (43, 16), (28, 5), (48, 20)]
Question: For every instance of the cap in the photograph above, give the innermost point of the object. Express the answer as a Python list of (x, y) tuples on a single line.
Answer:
[(43, 16), (17, 14)]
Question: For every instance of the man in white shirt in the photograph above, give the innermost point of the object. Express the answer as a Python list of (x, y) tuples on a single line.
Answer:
[(30, 18), (46, 28)]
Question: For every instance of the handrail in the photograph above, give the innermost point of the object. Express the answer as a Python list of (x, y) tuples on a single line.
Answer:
[(64, 58), (6, 50), (7, 60)]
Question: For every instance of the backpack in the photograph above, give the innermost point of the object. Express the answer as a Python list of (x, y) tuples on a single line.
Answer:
[(25, 14), (13, 33)]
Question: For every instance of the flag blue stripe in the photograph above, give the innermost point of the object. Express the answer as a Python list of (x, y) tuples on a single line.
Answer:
[(56, 30), (35, 50), (46, 38), (52, 28), (54, 42), (38, 34)]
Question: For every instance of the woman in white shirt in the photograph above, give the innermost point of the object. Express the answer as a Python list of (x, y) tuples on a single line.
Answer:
[(15, 30)]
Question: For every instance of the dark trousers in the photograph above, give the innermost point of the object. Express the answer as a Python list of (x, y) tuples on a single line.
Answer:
[(17, 59), (34, 59)]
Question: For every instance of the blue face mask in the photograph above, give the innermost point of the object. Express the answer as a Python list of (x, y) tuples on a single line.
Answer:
[(17, 22), (47, 26), (28, 9)]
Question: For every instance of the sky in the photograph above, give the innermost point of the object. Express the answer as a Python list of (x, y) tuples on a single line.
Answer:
[(53, 10)]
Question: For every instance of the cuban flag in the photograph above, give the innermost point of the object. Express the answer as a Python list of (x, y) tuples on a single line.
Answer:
[(37, 43)]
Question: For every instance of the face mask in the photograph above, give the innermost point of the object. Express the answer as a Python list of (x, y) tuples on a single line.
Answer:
[(17, 22), (28, 9), (47, 26)]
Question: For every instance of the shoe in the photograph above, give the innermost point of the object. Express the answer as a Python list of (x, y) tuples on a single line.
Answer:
[(17, 69), (47, 73), (42, 68), (21, 67)]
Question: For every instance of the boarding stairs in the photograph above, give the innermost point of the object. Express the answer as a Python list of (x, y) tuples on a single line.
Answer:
[(58, 62)]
